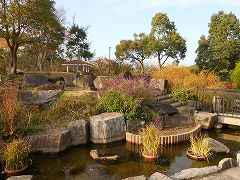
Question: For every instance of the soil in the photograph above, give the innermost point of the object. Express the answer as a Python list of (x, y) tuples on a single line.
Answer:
[(173, 130)]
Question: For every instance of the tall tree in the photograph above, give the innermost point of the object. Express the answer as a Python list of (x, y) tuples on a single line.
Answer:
[(165, 41), (24, 21), (77, 45), (221, 49), (134, 50)]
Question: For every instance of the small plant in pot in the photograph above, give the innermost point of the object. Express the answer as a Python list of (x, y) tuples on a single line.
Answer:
[(16, 157), (150, 142), (198, 150)]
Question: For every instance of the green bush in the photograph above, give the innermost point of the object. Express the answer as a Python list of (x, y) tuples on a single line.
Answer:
[(182, 95), (235, 76), (114, 101)]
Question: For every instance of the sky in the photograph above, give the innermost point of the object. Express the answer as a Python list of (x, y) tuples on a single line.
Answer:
[(110, 21)]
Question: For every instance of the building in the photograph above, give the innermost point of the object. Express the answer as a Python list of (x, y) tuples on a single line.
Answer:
[(78, 65)]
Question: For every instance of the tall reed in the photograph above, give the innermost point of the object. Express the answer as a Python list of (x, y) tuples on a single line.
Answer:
[(16, 155), (9, 107), (150, 140)]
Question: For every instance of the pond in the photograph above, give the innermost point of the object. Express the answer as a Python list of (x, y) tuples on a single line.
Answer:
[(77, 164)]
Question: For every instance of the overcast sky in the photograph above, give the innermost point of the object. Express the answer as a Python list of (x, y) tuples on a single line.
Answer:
[(113, 20)]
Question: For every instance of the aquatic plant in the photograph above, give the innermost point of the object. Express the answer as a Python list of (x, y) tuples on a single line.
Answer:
[(16, 155), (198, 147), (150, 140)]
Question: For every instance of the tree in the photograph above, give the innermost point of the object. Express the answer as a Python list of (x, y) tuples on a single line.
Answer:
[(235, 76), (221, 49), (165, 42), (134, 50), (203, 53), (77, 45), (24, 21), (46, 47)]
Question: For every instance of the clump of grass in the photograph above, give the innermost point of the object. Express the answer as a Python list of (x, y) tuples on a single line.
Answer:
[(68, 108), (9, 107), (16, 155), (150, 140), (199, 148)]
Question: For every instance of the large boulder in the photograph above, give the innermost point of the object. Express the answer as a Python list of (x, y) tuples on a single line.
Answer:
[(34, 80), (54, 142), (85, 82), (98, 82), (40, 97), (107, 128), (23, 177), (216, 146), (78, 132), (206, 119), (142, 177), (196, 172), (159, 176), (227, 163), (163, 108)]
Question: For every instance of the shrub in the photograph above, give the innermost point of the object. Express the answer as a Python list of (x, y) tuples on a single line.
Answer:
[(9, 107), (114, 101), (182, 78), (150, 140), (16, 155), (198, 147), (137, 87), (182, 95), (235, 76)]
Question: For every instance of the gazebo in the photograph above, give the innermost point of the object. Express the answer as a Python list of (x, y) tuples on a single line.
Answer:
[(78, 65)]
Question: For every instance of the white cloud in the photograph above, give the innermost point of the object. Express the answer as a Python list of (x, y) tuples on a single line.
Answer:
[(131, 6)]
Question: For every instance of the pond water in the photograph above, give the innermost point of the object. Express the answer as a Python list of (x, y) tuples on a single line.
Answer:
[(77, 164)]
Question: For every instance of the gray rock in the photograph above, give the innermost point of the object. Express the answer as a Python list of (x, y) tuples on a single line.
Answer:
[(159, 176), (207, 120), (78, 132), (23, 177), (85, 82), (227, 163), (40, 97), (34, 80), (159, 83), (164, 107), (216, 146), (107, 128), (54, 142), (142, 177), (218, 125), (196, 172), (99, 81)]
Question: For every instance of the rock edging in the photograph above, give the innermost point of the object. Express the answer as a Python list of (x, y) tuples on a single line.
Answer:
[(164, 140)]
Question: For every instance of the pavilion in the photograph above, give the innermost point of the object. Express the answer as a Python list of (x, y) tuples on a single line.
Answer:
[(78, 65)]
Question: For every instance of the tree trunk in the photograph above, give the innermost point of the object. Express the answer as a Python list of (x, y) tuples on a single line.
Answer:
[(159, 61), (13, 61), (142, 68)]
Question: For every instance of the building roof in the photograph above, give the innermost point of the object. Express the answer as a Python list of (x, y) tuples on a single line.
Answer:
[(77, 62)]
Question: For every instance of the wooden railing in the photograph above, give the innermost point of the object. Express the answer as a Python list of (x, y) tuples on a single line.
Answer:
[(224, 102)]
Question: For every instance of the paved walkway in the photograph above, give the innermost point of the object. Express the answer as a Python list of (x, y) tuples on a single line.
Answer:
[(230, 174)]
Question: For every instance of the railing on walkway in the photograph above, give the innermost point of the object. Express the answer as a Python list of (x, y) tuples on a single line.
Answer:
[(224, 102)]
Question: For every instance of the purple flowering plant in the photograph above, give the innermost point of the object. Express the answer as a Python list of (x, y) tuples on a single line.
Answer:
[(138, 87)]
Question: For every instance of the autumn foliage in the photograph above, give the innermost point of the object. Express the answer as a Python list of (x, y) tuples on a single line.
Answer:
[(182, 78)]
